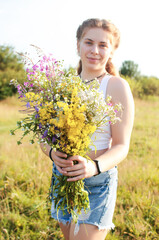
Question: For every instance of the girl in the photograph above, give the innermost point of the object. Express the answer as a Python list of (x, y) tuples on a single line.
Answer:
[(96, 42)]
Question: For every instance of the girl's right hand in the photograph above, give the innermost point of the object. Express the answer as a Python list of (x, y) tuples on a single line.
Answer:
[(60, 160)]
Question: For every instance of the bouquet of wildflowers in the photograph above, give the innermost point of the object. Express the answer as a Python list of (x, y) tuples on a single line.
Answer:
[(62, 111)]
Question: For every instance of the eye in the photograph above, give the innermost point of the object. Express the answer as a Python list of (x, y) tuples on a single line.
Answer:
[(103, 45), (89, 43)]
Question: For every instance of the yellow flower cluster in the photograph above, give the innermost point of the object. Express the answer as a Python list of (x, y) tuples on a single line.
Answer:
[(46, 113), (74, 129), (32, 98)]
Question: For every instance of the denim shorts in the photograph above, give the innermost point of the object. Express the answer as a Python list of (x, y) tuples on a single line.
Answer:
[(102, 191)]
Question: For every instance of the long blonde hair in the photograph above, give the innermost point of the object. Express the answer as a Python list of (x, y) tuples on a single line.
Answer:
[(107, 26)]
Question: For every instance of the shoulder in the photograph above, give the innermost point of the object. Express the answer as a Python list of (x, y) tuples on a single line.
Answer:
[(118, 83), (119, 89)]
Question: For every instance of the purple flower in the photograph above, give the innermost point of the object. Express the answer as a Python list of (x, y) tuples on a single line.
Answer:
[(54, 138), (40, 125), (37, 116), (31, 85), (36, 109), (45, 134), (28, 105)]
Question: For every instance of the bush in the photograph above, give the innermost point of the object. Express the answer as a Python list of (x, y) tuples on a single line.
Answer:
[(10, 67), (144, 86), (150, 85)]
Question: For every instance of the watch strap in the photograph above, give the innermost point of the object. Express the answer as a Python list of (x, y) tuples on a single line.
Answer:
[(50, 154), (97, 165)]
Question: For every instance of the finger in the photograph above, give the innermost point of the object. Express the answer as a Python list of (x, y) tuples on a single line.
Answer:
[(73, 167), (75, 173), (76, 178), (76, 158), (63, 162), (60, 154), (60, 165), (60, 170)]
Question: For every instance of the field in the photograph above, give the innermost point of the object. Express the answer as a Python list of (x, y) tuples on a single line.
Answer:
[(25, 180)]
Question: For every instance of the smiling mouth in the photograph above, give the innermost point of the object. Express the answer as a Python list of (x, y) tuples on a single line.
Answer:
[(93, 59)]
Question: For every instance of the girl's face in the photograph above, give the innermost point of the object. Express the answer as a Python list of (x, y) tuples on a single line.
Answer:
[(95, 49)]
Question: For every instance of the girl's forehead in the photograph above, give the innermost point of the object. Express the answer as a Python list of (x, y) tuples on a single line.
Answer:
[(97, 34)]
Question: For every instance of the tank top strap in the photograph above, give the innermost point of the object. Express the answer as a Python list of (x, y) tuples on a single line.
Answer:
[(104, 83)]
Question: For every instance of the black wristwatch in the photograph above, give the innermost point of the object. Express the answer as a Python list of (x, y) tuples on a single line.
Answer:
[(98, 167)]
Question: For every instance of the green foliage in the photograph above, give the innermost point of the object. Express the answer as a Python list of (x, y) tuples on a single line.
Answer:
[(130, 69), (150, 85), (10, 67), (144, 86)]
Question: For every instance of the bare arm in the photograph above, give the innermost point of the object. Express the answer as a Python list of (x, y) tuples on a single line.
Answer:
[(121, 131)]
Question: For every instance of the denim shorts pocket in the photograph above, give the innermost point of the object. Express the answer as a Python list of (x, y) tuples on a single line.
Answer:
[(98, 180)]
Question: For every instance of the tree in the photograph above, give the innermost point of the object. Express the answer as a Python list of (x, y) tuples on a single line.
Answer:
[(130, 69), (10, 67)]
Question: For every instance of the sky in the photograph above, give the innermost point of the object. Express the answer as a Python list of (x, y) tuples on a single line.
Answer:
[(52, 25)]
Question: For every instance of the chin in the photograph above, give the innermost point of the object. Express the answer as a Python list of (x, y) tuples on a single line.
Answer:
[(94, 67)]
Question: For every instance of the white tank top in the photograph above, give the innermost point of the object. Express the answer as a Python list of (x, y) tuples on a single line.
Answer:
[(101, 138)]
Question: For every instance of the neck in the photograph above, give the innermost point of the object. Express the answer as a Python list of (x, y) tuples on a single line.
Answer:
[(90, 76)]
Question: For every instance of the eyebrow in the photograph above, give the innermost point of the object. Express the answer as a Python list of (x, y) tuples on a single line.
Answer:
[(88, 39)]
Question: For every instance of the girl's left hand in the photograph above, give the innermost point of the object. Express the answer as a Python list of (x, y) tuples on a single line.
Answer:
[(84, 169)]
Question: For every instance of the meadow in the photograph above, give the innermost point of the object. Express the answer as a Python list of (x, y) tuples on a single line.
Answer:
[(26, 174)]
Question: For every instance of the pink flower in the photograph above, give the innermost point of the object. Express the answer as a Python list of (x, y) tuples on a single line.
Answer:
[(35, 67), (45, 58), (47, 67), (18, 87), (28, 76), (26, 84)]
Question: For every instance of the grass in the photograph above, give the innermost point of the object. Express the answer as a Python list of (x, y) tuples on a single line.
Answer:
[(26, 174)]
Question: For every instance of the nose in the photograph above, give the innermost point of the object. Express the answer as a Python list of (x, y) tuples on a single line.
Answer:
[(94, 49)]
